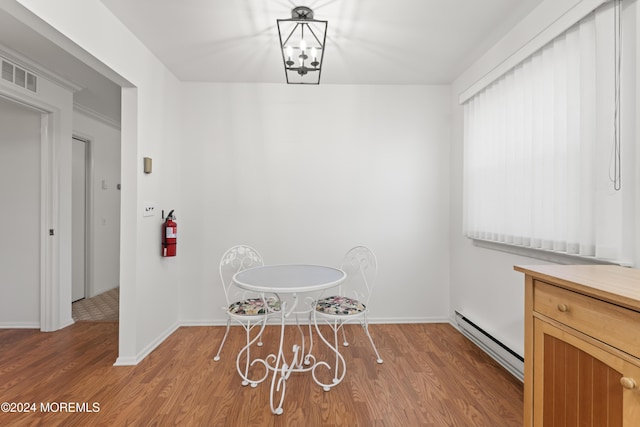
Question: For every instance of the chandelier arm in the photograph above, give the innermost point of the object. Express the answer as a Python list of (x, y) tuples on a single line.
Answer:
[(299, 68), (290, 34), (316, 37), (286, 74)]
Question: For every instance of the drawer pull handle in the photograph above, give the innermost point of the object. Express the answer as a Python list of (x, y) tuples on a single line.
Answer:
[(628, 383), (563, 308)]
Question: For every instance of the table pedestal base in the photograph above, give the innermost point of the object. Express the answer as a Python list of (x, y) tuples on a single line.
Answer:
[(302, 360)]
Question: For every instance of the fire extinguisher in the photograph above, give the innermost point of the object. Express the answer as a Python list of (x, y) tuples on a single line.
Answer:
[(169, 236)]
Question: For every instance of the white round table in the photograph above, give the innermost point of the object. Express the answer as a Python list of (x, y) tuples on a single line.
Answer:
[(280, 279)]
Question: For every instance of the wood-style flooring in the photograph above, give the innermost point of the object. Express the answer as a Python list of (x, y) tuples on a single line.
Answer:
[(431, 376)]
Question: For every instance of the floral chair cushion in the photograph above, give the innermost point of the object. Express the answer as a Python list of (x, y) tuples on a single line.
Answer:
[(339, 305), (254, 306)]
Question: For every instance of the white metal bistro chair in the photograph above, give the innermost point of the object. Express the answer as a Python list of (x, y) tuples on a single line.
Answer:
[(350, 303), (250, 312)]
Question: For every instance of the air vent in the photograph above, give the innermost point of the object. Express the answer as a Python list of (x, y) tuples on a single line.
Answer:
[(19, 76), (7, 71)]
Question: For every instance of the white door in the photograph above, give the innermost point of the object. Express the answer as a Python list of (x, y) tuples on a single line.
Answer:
[(20, 213), (78, 218)]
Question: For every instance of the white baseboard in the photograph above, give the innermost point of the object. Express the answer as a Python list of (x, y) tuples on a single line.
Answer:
[(69, 322), (20, 325), (303, 320), (134, 360), (407, 320), (126, 361), (210, 322)]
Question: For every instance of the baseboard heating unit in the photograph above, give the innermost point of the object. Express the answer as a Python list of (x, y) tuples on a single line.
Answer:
[(502, 354)]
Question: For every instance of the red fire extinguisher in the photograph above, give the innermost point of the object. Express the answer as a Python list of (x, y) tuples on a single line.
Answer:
[(169, 236)]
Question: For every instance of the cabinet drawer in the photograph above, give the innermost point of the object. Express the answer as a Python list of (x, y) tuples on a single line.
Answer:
[(603, 321)]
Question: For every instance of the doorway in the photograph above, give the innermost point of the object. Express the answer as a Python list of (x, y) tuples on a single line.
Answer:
[(20, 188)]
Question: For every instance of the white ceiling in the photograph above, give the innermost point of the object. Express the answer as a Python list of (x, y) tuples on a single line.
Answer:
[(96, 92), (368, 41)]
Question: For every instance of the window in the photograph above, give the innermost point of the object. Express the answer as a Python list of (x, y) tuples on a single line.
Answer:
[(545, 167)]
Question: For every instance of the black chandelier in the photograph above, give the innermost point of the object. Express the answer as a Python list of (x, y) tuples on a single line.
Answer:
[(302, 41)]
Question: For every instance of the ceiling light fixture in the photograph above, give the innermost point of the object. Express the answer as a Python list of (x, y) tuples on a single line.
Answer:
[(302, 41)]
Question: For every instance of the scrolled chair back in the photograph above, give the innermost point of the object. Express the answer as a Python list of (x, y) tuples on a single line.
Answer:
[(235, 259), (361, 266)]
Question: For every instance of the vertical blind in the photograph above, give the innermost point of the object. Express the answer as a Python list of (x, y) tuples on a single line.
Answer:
[(538, 149)]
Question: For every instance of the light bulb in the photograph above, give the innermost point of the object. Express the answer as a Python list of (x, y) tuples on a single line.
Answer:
[(289, 52), (303, 46), (314, 53)]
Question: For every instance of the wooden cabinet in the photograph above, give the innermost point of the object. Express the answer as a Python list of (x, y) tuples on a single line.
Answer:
[(582, 346)]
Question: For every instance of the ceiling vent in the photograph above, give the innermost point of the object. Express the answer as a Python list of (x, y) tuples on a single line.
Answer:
[(19, 76)]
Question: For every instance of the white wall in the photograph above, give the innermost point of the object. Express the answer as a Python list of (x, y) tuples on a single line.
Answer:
[(305, 173), (149, 285), (104, 214), (483, 284)]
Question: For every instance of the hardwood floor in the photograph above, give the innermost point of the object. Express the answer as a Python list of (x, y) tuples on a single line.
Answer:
[(431, 376)]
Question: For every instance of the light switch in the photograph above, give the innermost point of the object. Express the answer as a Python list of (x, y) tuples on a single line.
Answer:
[(105, 184), (149, 209)]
